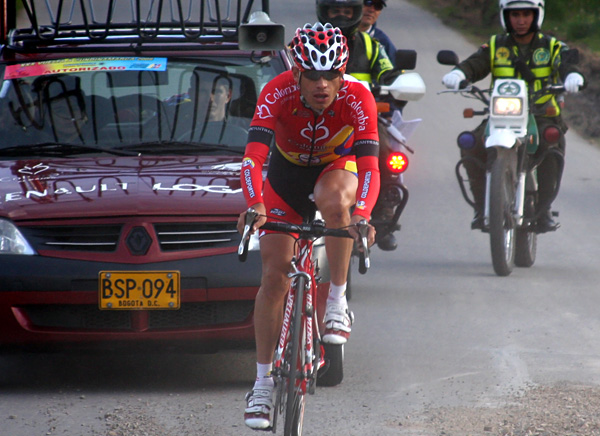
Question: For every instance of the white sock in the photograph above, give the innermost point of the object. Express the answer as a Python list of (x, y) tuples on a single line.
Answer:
[(337, 294), (263, 375)]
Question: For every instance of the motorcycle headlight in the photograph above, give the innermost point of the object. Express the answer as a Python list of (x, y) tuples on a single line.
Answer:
[(507, 106), (12, 241)]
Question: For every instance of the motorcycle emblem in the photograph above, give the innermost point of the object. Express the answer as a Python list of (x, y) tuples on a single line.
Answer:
[(509, 88)]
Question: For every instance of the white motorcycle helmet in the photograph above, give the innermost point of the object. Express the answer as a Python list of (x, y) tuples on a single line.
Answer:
[(536, 5)]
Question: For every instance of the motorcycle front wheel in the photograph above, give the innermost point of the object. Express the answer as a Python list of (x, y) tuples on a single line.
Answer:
[(503, 185), (526, 249)]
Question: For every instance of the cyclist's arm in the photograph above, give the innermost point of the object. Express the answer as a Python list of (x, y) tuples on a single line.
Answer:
[(260, 137), (366, 149), (255, 157), (368, 182)]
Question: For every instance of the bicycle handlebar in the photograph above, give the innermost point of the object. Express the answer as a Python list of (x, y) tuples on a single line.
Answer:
[(315, 229)]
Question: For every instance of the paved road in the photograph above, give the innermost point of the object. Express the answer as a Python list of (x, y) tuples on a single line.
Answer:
[(435, 327)]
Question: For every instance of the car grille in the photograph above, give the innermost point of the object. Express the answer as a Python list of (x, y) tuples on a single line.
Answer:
[(191, 236), (105, 237), (89, 317)]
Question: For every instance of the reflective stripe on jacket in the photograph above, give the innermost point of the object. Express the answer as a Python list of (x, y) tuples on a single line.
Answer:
[(543, 62), (368, 59)]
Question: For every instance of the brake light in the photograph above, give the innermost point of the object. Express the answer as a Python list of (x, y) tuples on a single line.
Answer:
[(397, 162), (552, 134)]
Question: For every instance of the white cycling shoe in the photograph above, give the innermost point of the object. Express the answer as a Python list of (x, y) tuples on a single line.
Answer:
[(338, 324), (259, 405)]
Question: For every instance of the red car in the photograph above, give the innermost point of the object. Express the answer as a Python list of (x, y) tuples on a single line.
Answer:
[(120, 148)]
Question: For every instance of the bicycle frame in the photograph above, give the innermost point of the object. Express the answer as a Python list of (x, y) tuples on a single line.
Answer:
[(303, 265), (298, 354), (300, 307)]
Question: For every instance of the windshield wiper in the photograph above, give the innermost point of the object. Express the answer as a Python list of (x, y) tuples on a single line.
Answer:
[(178, 147), (59, 149)]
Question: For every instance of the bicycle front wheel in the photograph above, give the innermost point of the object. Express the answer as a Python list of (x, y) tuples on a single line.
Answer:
[(294, 411)]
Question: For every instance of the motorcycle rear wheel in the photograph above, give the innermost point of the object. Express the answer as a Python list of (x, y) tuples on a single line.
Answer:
[(503, 185)]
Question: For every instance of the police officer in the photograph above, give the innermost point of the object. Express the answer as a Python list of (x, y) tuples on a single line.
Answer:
[(523, 52)]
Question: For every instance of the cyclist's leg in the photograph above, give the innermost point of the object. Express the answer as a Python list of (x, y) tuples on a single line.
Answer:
[(335, 193), (276, 252)]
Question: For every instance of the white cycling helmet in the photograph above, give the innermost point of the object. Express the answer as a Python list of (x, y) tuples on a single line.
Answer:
[(536, 5)]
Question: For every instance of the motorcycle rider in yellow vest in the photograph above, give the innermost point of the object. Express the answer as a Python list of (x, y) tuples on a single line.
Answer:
[(526, 53)]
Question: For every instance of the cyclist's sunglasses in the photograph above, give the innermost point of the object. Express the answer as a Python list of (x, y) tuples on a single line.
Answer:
[(377, 5), (315, 75)]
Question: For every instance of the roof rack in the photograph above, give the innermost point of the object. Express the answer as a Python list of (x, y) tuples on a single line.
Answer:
[(137, 24)]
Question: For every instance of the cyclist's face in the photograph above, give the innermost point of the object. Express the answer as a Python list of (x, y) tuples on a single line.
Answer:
[(521, 20), (320, 93)]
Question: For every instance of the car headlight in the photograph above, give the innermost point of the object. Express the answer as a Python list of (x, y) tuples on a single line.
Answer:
[(12, 241), (507, 106)]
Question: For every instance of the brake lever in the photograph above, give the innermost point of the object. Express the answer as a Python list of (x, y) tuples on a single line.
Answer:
[(251, 216), (364, 261)]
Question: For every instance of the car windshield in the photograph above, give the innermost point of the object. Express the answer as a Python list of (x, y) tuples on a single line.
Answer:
[(130, 105)]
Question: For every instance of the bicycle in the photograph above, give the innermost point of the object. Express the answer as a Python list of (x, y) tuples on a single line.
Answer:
[(299, 353)]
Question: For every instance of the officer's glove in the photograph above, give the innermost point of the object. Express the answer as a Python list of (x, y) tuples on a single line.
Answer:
[(453, 78), (573, 82)]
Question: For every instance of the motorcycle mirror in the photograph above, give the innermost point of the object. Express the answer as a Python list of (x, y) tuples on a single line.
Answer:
[(406, 59), (447, 57)]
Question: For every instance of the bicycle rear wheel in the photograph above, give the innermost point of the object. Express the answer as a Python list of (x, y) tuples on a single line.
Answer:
[(295, 402)]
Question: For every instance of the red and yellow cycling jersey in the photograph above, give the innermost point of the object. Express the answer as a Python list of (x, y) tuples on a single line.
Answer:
[(347, 127)]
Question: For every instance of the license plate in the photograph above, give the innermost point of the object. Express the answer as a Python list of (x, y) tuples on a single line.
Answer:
[(138, 290)]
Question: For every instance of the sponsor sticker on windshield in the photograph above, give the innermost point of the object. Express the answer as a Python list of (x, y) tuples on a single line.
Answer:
[(81, 65)]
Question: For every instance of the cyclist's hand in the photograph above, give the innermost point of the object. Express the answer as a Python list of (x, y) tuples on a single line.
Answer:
[(260, 209), (353, 230)]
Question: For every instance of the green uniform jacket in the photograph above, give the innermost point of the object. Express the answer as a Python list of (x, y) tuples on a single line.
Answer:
[(539, 63)]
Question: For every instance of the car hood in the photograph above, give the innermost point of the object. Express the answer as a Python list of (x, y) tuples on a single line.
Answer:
[(120, 186)]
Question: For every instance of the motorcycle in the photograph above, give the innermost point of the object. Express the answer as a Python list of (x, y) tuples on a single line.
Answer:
[(394, 132), (511, 208)]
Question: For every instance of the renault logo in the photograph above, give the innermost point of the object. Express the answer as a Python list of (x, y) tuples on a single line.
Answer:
[(138, 241)]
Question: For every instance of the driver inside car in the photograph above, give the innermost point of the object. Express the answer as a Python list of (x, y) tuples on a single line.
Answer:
[(201, 114)]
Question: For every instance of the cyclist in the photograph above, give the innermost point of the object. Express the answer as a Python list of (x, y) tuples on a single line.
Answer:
[(368, 61), (522, 52), (324, 126)]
